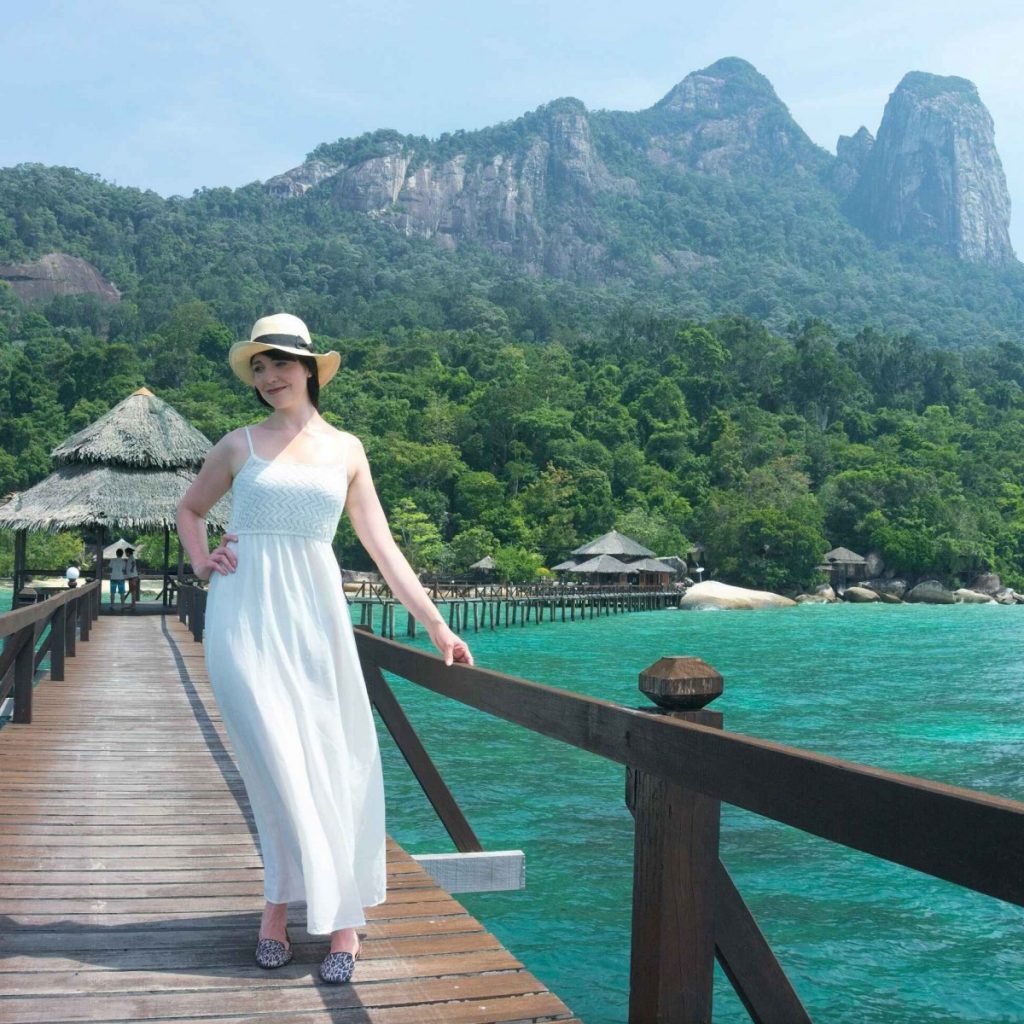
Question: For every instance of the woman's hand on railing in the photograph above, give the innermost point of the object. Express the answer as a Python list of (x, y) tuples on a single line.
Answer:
[(222, 559), (451, 647)]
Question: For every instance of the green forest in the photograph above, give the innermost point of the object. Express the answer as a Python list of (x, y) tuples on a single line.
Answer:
[(520, 416)]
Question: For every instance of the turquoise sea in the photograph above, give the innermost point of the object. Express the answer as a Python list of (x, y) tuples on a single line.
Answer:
[(933, 691)]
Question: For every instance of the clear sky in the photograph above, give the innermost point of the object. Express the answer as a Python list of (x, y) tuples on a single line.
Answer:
[(179, 94)]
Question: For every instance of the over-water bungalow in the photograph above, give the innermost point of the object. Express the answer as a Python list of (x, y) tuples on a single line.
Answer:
[(614, 559)]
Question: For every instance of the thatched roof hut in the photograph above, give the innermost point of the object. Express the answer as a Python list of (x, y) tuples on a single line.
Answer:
[(486, 564), (616, 544), (843, 556), (141, 431), (127, 470), (652, 565), (602, 564), (79, 496), (110, 551)]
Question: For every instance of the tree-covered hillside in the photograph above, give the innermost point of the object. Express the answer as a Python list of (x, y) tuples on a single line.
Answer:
[(662, 321), (766, 448)]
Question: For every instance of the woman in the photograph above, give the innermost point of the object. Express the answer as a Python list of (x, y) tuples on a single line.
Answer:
[(279, 647)]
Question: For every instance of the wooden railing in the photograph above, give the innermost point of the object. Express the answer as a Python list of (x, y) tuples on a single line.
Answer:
[(680, 765), (460, 590), (29, 634)]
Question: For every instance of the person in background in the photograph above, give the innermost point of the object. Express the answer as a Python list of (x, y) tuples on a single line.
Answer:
[(131, 574), (118, 565)]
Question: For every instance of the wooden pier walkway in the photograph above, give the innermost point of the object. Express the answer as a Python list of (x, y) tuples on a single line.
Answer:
[(131, 884)]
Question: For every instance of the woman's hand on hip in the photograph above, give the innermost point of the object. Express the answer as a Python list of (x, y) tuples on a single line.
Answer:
[(451, 647), (222, 559)]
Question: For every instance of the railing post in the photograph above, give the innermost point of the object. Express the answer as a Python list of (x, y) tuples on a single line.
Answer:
[(57, 643), (24, 671), (84, 621), (70, 627), (198, 617), (675, 865)]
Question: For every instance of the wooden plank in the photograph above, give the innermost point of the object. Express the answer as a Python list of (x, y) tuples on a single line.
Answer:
[(131, 885), (492, 871), (969, 838)]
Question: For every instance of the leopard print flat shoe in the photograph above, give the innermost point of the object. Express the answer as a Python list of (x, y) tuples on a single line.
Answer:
[(271, 953), (337, 968)]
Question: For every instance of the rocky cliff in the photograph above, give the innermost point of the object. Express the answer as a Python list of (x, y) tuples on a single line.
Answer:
[(726, 120), (605, 194), (933, 176), (57, 274)]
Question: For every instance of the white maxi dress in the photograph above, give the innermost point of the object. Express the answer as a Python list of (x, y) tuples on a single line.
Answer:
[(283, 667)]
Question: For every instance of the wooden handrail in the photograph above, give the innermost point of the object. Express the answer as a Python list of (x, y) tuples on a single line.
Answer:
[(21, 631), (686, 908), (959, 835)]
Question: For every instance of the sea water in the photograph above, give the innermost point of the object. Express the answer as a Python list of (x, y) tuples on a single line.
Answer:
[(932, 691)]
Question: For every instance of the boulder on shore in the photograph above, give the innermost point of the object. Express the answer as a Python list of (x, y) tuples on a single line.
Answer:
[(966, 596), (714, 595), (987, 583), (859, 595), (825, 590), (1005, 596), (814, 599), (894, 587), (931, 592)]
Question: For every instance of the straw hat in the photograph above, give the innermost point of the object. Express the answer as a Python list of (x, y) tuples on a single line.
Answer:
[(283, 333)]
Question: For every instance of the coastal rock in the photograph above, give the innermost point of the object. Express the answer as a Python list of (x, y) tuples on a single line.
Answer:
[(889, 598), (714, 595), (933, 175), (814, 599), (1007, 595), (966, 596), (892, 587), (987, 583), (931, 592), (825, 590), (54, 274), (859, 595)]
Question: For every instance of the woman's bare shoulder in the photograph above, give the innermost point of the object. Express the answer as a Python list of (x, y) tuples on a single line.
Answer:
[(232, 449)]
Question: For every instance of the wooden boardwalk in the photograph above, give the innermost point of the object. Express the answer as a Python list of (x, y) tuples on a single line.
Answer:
[(131, 885)]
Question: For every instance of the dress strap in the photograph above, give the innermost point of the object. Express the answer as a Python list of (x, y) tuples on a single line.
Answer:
[(248, 437)]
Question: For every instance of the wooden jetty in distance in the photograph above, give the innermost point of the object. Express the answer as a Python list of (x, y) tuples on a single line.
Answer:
[(679, 762), (489, 606)]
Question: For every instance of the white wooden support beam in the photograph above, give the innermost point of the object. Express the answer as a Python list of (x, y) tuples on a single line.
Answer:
[(489, 871)]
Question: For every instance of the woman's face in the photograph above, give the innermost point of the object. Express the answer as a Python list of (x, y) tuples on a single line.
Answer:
[(282, 382)]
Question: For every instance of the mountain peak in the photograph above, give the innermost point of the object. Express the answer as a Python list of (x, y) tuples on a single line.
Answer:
[(721, 86), (933, 176), (926, 85)]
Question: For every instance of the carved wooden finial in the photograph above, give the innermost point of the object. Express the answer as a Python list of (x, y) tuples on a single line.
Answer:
[(681, 683)]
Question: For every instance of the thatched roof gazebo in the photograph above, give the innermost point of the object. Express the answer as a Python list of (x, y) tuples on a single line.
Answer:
[(128, 470), (615, 554), (615, 544)]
